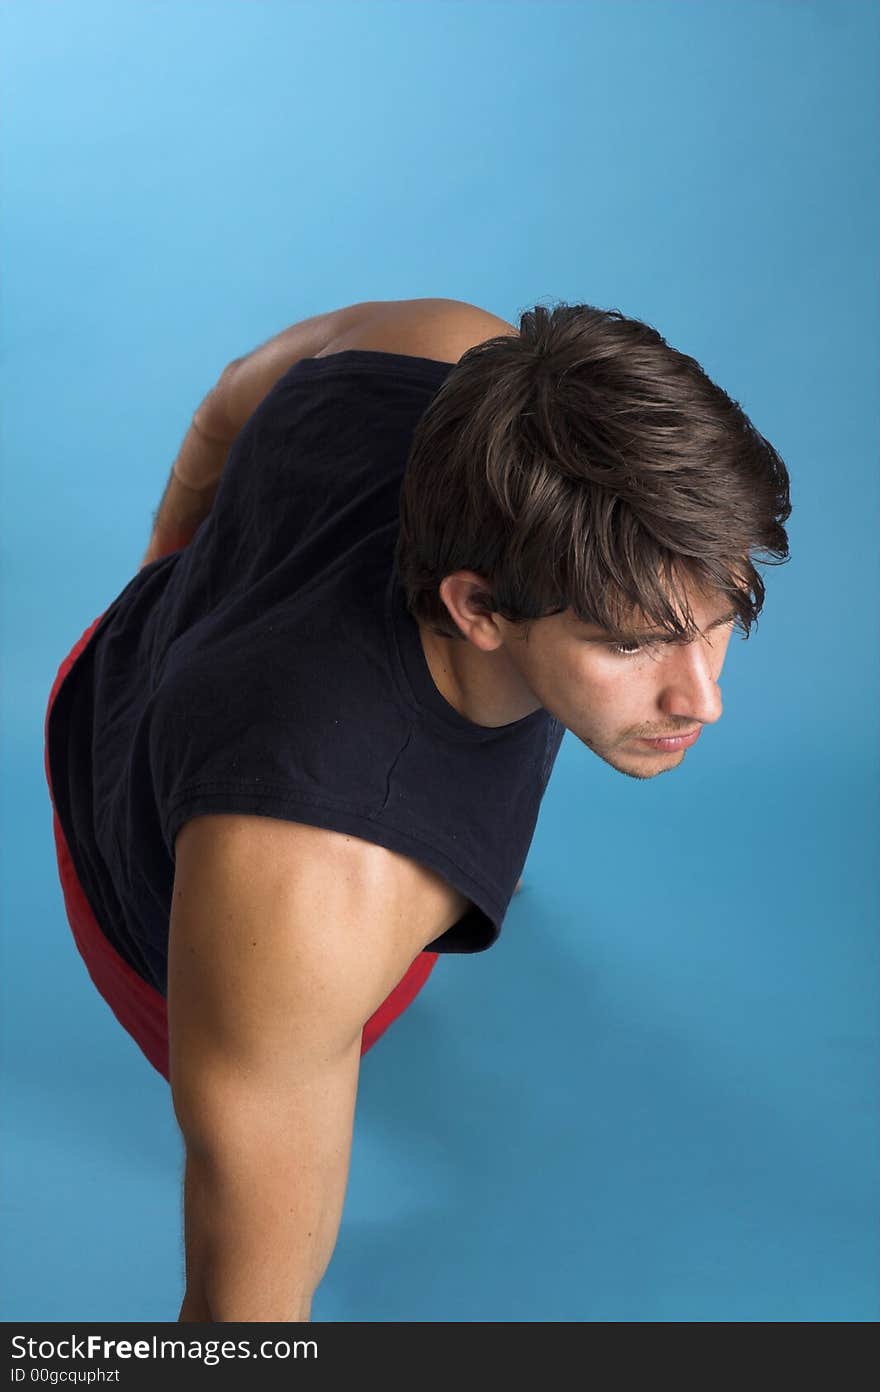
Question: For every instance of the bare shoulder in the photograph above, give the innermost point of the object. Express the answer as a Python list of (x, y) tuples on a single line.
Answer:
[(429, 328), (383, 895)]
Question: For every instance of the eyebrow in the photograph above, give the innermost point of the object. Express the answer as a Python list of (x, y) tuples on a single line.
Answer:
[(658, 636)]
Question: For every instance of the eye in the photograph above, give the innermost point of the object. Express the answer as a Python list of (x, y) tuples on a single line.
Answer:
[(634, 649)]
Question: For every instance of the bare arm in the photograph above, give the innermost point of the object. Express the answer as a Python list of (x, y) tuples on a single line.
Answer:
[(441, 328), (195, 474), (193, 481), (284, 940)]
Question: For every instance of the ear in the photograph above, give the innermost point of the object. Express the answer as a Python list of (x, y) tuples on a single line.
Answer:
[(465, 593)]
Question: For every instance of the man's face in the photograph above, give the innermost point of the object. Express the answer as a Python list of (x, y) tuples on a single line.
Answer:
[(611, 701)]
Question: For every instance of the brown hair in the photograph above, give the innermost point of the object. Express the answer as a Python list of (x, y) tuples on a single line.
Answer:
[(584, 463)]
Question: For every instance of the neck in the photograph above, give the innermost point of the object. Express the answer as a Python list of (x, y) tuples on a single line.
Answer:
[(484, 687)]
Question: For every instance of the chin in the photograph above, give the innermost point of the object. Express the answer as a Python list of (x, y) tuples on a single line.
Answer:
[(651, 763)]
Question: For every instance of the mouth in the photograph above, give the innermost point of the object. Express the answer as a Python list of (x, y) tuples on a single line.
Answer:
[(673, 742)]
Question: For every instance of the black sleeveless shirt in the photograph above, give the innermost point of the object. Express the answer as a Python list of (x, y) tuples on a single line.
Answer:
[(271, 667)]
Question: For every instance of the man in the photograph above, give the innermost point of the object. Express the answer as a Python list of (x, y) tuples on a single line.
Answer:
[(333, 723)]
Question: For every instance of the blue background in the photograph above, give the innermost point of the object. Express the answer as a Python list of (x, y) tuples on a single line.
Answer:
[(654, 1098)]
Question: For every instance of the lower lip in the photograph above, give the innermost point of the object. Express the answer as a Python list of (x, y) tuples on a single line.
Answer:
[(669, 746)]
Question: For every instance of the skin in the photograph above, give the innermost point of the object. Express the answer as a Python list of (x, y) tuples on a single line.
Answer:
[(608, 701), (257, 1243)]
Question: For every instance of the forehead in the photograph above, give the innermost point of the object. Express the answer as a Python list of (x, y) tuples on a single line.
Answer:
[(706, 606)]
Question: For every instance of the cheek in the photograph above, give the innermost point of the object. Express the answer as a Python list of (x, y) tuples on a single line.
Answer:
[(624, 692), (598, 686)]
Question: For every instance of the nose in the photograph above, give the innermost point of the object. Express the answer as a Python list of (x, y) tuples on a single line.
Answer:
[(690, 688)]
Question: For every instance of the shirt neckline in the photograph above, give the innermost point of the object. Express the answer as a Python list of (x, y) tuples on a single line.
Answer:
[(423, 689)]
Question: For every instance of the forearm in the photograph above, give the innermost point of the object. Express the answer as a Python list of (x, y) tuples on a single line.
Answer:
[(241, 387), (193, 482), (258, 1239), (258, 1267), (194, 1309)]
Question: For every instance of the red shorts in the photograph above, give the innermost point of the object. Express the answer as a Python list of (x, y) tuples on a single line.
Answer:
[(137, 1005)]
